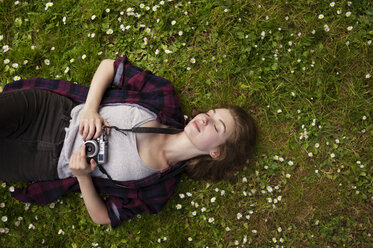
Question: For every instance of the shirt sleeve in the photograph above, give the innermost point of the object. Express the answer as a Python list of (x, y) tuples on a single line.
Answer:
[(119, 65), (128, 76), (120, 210)]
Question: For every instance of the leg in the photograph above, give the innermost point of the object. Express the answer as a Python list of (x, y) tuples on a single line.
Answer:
[(32, 134)]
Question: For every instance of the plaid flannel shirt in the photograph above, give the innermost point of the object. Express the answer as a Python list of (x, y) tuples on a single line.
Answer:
[(130, 85)]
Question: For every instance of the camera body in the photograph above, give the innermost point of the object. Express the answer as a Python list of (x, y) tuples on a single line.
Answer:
[(97, 148)]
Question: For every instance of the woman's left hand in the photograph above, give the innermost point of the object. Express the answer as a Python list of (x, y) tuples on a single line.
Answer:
[(78, 163)]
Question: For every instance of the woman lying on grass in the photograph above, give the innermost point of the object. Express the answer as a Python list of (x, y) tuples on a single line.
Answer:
[(45, 124)]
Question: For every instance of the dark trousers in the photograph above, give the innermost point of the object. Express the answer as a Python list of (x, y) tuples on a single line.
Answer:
[(32, 131)]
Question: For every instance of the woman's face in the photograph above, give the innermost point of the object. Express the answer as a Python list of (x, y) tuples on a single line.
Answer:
[(209, 130)]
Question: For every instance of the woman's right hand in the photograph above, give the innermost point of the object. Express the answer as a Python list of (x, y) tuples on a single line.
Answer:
[(90, 124)]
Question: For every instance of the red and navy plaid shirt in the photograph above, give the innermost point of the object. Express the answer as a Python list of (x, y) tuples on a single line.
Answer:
[(130, 85)]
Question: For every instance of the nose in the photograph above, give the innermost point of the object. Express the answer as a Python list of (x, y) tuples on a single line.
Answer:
[(205, 120)]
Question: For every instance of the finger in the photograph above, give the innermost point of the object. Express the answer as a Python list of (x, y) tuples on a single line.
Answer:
[(92, 129), (82, 150), (108, 129), (82, 156), (85, 132), (98, 129), (81, 128), (93, 164)]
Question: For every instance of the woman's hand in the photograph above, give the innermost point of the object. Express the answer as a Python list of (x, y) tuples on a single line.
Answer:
[(90, 125), (78, 163)]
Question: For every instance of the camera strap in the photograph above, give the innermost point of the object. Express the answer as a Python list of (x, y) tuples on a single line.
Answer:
[(159, 130)]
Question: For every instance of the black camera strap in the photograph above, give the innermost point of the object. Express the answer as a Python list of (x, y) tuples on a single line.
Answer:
[(159, 130)]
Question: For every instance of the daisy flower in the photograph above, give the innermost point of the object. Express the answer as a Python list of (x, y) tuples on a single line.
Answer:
[(269, 189), (49, 4), (349, 28), (239, 216), (6, 48), (321, 16)]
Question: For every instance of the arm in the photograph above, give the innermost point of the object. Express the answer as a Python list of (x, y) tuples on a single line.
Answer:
[(90, 121), (81, 169)]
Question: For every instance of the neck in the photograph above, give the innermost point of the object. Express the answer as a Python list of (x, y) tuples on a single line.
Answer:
[(178, 148)]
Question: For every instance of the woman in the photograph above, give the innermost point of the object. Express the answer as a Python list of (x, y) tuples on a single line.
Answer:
[(211, 145)]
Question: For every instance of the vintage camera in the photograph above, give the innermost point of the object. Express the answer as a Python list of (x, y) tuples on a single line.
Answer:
[(97, 148)]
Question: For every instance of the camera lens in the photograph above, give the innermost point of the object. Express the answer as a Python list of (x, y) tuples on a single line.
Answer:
[(91, 148)]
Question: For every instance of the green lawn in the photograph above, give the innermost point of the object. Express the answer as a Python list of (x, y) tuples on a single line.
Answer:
[(302, 68)]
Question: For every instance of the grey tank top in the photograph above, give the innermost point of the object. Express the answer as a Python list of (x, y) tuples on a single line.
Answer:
[(124, 162)]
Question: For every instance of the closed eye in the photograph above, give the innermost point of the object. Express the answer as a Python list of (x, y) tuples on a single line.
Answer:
[(216, 129)]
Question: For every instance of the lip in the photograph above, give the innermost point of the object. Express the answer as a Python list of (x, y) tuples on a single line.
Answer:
[(196, 125)]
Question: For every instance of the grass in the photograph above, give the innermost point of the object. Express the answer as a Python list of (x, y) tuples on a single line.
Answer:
[(308, 85)]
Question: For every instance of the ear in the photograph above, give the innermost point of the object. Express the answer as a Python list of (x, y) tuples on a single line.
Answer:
[(215, 154)]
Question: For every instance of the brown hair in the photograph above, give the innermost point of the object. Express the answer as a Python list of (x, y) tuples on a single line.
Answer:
[(233, 153)]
